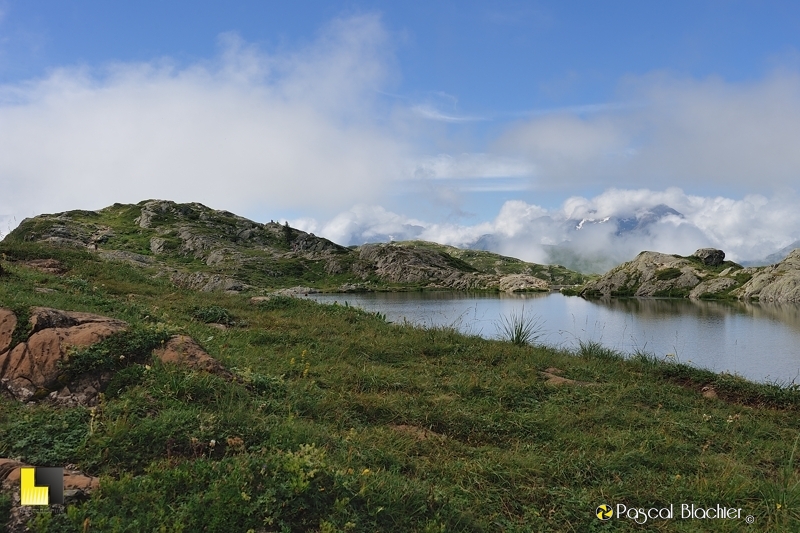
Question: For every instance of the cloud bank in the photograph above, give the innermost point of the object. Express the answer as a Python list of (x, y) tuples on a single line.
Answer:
[(615, 225), (246, 129)]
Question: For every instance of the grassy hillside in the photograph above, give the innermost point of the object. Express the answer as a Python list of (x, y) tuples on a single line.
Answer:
[(199, 247), (343, 422)]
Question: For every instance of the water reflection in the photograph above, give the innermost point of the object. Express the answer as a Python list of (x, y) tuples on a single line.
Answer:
[(758, 341)]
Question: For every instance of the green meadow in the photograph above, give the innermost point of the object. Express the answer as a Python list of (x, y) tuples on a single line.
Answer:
[(339, 421)]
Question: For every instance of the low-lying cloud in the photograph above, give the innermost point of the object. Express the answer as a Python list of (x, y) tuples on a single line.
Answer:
[(615, 225)]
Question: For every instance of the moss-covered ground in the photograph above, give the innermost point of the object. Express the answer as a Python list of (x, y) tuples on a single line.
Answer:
[(340, 421)]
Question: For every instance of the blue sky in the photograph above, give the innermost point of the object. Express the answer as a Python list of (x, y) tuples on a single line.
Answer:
[(439, 120)]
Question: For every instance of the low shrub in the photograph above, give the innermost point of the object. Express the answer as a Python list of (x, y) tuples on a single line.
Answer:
[(213, 314), (46, 437)]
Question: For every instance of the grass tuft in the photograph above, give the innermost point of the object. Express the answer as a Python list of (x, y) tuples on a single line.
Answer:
[(520, 330)]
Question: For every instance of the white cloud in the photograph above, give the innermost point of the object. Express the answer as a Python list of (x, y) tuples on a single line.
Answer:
[(362, 224), (246, 130), (746, 229)]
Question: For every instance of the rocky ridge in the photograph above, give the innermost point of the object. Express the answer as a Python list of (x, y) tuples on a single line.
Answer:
[(209, 250), (777, 283), (704, 274)]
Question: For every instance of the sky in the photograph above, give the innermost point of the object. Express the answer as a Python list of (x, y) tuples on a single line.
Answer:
[(496, 124)]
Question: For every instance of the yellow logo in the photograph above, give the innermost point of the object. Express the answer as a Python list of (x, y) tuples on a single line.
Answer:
[(41, 486), (604, 512)]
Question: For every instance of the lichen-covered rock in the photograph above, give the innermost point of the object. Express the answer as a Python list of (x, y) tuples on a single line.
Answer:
[(703, 274), (712, 287), (157, 245), (126, 257), (403, 264), (204, 282), (649, 274), (295, 291)]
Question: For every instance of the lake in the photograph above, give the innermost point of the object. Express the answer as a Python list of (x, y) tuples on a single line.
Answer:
[(760, 342)]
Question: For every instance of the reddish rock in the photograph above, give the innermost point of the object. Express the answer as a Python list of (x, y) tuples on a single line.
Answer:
[(35, 364), (8, 321), (33, 369), (48, 318), (183, 350)]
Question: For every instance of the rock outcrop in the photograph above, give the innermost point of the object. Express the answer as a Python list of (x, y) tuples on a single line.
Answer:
[(183, 350), (522, 283), (703, 274), (776, 283), (203, 282), (34, 367), (435, 270)]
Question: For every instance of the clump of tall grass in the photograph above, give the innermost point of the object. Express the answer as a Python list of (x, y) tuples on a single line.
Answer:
[(520, 330), (593, 349)]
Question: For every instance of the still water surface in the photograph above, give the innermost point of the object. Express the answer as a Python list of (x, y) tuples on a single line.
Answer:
[(758, 341)]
